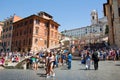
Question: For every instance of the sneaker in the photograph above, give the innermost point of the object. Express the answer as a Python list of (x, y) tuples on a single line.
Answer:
[(53, 75), (48, 76)]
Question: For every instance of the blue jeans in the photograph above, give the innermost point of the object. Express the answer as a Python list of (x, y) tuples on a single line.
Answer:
[(56, 63), (69, 64)]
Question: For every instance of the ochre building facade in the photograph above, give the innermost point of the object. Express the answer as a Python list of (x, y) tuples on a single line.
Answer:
[(35, 33)]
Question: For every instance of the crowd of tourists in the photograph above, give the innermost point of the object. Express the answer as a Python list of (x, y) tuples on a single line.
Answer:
[(105, 54), (93, 56), (52, 59)]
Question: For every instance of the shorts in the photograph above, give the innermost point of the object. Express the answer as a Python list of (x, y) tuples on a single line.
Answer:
[(33, 61)]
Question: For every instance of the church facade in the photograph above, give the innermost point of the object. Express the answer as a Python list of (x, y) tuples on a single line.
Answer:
[(89, 34)]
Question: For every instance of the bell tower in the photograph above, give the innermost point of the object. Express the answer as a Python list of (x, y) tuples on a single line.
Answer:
[(94, 17)]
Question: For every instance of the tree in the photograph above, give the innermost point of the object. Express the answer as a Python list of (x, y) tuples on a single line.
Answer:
[(107, 29)]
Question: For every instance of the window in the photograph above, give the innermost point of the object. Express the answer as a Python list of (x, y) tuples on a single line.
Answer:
[(55, 43), (46, 24), (31, 21), (10, 21), (55, 34), (25, 23), (3, 30), (8, 43), (20, 43), (4, 23), (20, 33), (21, 24), (86, 31), (6, 36), (9, 35), (93, 17), (13, 28), (93, 30), (29, 41), (17, 34), (36, 31), (7, 23), (56, 28), (4, 43), (45, 32), (30, 30), (36, 40), (45, 42), (27, 31), (24, 32), (51, 42), (17, 25), (100, 29), (16, 43), (24, 42), (51, 33), (37, 21), (6, 29), (3, 36), (52, 26), (10, 28)]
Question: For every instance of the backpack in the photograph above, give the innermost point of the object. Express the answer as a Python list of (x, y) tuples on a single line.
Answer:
[(95, 56)]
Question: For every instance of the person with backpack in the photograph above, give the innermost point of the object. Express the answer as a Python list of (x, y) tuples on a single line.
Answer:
[(95, 58)]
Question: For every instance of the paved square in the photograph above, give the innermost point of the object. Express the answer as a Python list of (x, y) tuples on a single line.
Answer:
[(108, 70)]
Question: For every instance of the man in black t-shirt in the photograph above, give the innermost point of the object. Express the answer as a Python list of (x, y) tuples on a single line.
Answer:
[(95, 59)]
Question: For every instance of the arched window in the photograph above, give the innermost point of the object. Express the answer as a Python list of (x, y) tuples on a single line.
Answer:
[(93, 17)]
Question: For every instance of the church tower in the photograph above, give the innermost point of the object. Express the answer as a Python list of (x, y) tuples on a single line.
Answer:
[(94, 17)]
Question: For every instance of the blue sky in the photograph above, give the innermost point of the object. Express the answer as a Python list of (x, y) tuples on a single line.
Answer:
[(69, 14)]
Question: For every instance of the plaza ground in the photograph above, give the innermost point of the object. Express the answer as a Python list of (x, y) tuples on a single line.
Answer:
[(108, 70)]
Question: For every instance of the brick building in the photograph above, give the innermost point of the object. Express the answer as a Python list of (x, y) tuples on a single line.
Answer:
[(34, 33)]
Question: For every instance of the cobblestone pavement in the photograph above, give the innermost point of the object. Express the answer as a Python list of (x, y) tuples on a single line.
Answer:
[(108, 70)]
